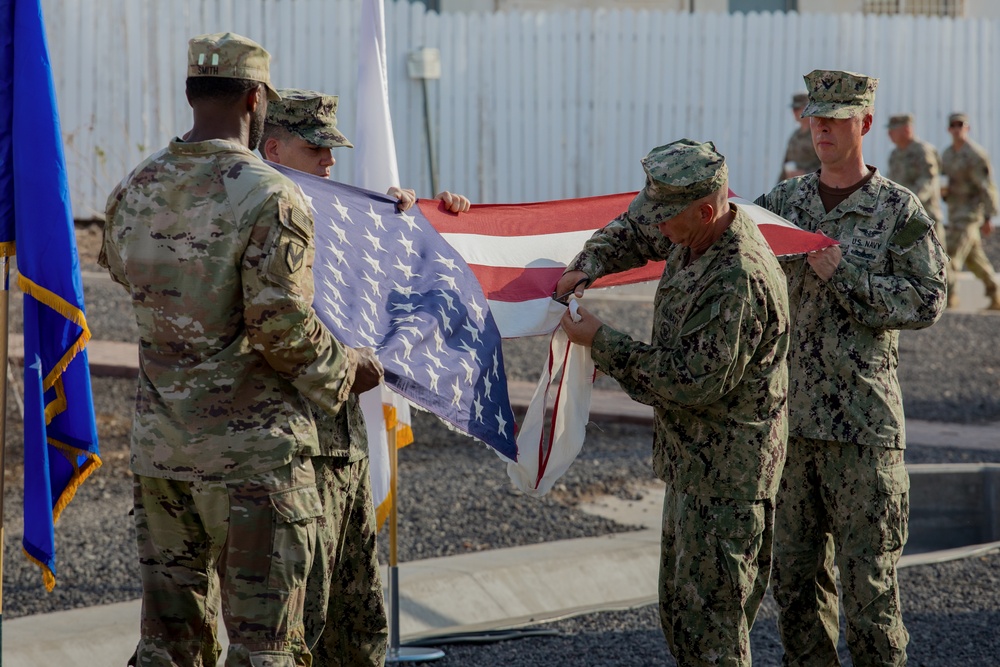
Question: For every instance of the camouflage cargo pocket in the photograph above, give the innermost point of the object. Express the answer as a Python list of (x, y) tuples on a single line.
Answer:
[(293, 539), (272, 659), (735, 529), (705, 349), (893, 487)]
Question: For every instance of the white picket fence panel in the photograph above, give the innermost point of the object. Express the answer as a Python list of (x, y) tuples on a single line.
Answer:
[(530, 105)]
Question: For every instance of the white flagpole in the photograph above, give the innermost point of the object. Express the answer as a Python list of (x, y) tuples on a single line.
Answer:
[(376, 169)]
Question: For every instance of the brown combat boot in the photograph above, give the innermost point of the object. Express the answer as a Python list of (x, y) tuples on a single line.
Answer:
[(952, 300), (993, 294)]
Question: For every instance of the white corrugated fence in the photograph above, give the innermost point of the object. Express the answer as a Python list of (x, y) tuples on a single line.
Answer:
[(530, 106)]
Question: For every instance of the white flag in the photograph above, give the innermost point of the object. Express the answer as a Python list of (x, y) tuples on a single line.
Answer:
[(375, 169)]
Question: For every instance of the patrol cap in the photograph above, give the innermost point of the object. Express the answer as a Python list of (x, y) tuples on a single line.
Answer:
[(799, 100), (677, 174), (836, 94), (227, 55), (310, 115), (902, 120), (958, 117)]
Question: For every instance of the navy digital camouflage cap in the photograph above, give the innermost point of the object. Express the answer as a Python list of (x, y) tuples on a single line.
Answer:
[(677, 174), (310, 115), (836, 94), (230, 56)]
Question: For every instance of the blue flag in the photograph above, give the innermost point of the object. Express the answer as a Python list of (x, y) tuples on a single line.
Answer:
[(387, 280), (60, 434)]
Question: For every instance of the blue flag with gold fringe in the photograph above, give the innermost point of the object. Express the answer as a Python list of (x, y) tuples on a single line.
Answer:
[(60, 434)]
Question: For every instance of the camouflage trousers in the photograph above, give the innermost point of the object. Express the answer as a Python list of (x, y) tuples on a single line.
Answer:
[(249, 543), (965, 247), (847, 505), (714, 565), (345, 585)]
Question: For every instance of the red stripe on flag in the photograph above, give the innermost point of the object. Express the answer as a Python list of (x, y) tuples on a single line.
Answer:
[(567, 215), (519, 284), (792, 241)]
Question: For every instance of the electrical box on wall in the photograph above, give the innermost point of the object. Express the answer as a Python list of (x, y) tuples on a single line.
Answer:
[(424, 63)]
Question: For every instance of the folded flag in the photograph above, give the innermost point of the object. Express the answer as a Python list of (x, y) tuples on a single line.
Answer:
[(387, 280), (518, 251)]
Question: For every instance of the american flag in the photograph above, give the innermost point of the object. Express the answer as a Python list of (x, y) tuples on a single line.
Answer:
[(386, 279), (519, 251)]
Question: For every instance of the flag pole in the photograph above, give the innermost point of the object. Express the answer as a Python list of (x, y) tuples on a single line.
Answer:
[(397, 653), (4, 299)]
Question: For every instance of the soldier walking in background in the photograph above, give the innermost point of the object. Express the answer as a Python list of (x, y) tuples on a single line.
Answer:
[(216, 249), (716, 376), (971, 195), (844, 494), (800, 156), (915, 165)]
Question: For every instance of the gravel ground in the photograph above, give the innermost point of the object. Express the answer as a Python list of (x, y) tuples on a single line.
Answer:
[(455, 498)]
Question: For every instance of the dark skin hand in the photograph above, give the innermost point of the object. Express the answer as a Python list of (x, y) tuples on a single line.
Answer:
[(369, 372)]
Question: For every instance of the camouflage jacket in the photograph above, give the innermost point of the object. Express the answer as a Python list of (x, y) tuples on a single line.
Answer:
[(715, 372), (800, 150), (972, 194), (344, 434), (916, 168), (844, 347), (216, 250)]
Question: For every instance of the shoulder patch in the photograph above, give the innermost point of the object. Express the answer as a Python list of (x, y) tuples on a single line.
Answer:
[(910, 233), (295, 219), (300, 222), (699, 319)]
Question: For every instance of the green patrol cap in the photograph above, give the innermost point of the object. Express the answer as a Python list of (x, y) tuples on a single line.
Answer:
[(902, 120), (676, 175), (800, 100), (310, 115), (958, 117), (836, 94), (230, 56)]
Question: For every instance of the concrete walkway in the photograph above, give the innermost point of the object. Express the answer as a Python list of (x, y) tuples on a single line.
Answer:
[(494, 589), (488, 590)]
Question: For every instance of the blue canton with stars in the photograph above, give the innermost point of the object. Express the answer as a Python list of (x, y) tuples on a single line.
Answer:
[(387, 280)]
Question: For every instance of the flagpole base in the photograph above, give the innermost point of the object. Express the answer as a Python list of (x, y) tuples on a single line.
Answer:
[(413, 654)]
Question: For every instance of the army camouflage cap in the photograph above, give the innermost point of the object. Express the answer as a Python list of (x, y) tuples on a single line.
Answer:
[(230, 56), (800, 100), (902, 120), (958, 117), (836, 94), (310, 115), (676, 175)]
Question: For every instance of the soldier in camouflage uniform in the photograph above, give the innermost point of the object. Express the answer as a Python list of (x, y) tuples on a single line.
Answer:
[(915, 165), (972, 200), (345, 614), (716, 375), (215, 249), (302, 132), (844, 493), (800, 156)]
